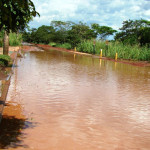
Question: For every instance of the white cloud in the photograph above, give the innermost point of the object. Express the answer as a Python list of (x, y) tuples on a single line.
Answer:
[(147, 12), (104, 12)]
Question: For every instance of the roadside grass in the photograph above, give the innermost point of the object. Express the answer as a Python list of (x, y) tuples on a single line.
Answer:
[(14, 39), (124, 51), (4, 60), (65, 45), (53, 44)]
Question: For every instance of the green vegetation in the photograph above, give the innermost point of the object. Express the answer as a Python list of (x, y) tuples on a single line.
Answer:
[(53, 44), (131, 42), (65, 45), (4, 60), (14, 16), (64, 34), (127, 51), (15, 39), (134, 32), (103, 31)]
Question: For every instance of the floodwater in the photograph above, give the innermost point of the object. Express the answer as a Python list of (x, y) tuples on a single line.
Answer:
[(61, 101)]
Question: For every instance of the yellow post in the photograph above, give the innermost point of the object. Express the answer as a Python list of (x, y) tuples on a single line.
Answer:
[(115, 65), (74, 56), (100, 62), (75, 49), (101, 53), (116, 57)]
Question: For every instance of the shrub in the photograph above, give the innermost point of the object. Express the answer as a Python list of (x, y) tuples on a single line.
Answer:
[(125, 51), (2, 63), (88, 47), (5, 59), (15, 39), (52, 44), (65, 45)]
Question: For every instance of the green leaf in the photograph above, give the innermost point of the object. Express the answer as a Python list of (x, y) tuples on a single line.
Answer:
[(5, 5)]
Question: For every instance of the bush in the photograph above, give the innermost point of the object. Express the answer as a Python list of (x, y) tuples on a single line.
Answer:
[(5, 59), (15, 39), (52, 44), (125, 51), (2, 63), (88, 47), (65, 45)]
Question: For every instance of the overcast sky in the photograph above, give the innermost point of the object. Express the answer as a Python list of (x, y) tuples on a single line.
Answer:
[(104, 12)]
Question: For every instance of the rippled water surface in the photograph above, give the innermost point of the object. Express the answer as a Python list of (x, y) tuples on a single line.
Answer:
[(59, 101)]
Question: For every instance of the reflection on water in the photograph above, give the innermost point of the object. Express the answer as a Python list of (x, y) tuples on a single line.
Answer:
[(80, 103), (11, 132), (12, 126), (13, 121)]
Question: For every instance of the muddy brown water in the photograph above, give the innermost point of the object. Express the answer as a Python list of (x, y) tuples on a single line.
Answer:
[(61, 101)]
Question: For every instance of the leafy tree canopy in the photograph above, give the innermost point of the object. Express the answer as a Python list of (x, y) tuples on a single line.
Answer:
[(66, 32), (15, 14), (80, 32), (134, 32), (103, 31)]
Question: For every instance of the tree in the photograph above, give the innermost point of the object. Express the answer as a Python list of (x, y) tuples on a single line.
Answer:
[(103, 31), (61, 30), (14, 16), (44, 34), (134, 32), (80, 32)]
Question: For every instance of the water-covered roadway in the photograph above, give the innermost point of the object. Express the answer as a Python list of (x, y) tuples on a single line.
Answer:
[(59, 101)]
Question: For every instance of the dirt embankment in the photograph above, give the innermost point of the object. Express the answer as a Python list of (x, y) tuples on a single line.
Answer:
[(134, 63), (12, 53)]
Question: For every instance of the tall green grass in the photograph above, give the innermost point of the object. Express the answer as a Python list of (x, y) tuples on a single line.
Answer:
[(124, 51), (64, 45), (14, 39)]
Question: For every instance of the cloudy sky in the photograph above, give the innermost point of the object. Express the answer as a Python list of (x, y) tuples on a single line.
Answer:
[(104, 12)]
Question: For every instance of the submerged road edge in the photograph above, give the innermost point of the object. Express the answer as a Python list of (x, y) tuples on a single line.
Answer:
[(6, 84)]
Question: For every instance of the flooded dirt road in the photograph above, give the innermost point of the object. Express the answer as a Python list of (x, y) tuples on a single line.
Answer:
[(59, 101)]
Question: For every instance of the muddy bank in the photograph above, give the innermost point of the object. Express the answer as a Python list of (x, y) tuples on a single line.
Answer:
[(6, 72), (134, 63), (5, 76), (12, 53), (28, 48)]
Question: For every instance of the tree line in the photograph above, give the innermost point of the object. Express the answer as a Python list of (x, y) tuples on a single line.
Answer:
[(66, 32), (132, 32)]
